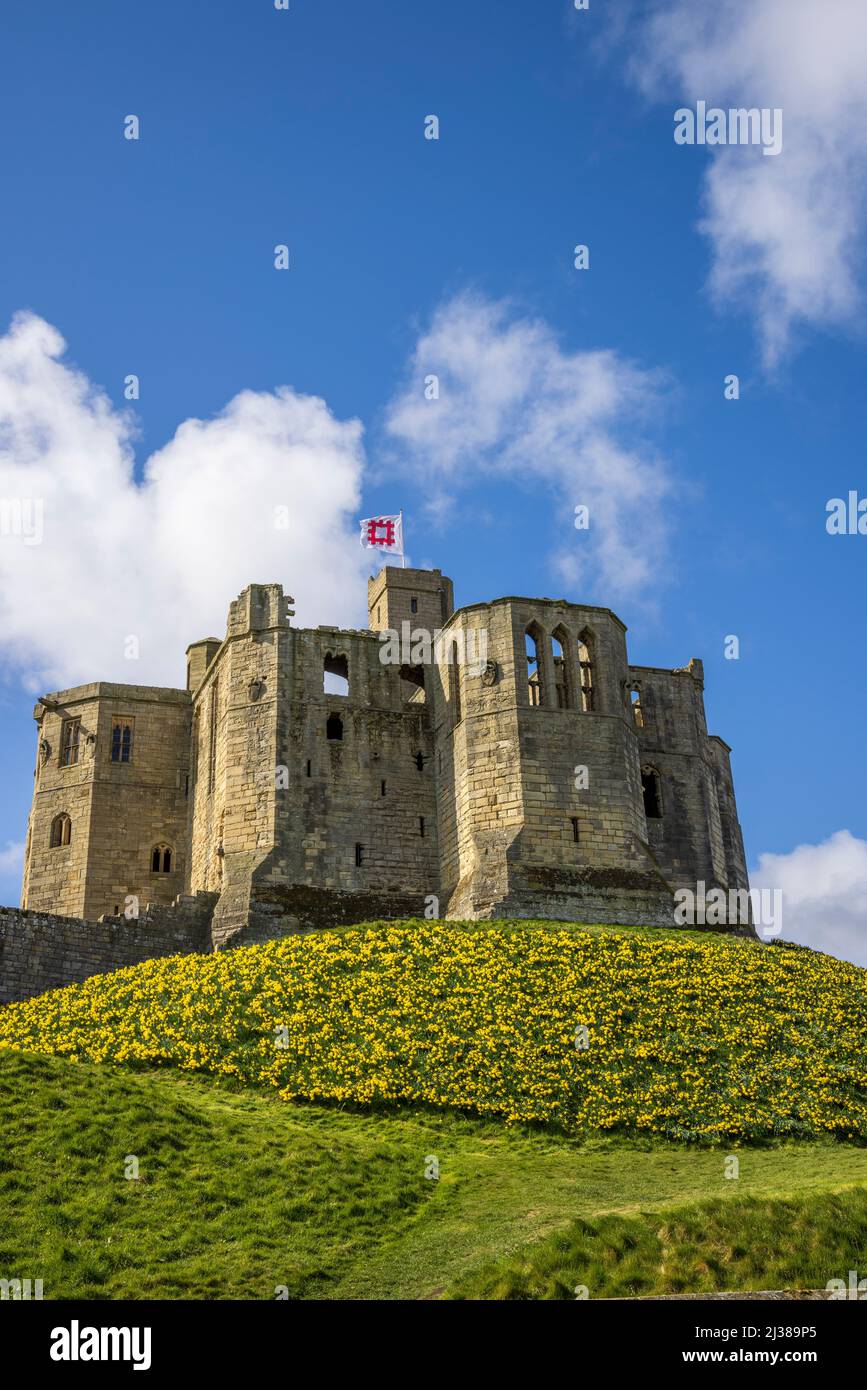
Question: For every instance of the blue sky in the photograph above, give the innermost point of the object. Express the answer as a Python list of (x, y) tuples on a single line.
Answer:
[(306, 127)]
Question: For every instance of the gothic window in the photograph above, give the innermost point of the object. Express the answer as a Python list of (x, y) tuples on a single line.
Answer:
[(69, 741), (335, 678), (334, 727), (61, 831), (533, 639), (585, 671), (121, 741), (562, 682), (634, 694), (651, 786), (161, 859)]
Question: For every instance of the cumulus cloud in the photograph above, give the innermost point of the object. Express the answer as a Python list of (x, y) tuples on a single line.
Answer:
[(786, 232), (90, 557), (824, 890), (514, 405)]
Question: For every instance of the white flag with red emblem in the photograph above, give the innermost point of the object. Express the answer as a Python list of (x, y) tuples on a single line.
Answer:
[(383, 533)]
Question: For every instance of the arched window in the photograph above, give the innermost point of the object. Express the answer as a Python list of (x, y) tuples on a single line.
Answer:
[(161, 860), (651, 786), (61, 831), (634, 697), (121, 741), (335, 676), (334, 727), (562, 682), (69, 742), (533, 639), (585, 671)]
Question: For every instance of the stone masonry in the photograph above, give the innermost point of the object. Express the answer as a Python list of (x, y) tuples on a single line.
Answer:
[(500, 760)]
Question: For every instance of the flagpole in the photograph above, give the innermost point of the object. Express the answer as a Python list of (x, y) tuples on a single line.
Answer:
[(402, 543)]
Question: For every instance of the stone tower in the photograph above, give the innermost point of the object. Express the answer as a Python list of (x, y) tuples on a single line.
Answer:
[(514, 764)]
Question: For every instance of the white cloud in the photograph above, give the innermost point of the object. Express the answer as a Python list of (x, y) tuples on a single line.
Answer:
[(824, 894), (162, 559), (514, 405), (787, 232)]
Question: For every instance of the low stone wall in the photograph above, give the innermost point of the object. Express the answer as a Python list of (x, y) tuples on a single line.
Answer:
[(39, 952)]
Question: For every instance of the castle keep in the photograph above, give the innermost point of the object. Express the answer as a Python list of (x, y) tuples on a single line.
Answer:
[(517, 767)]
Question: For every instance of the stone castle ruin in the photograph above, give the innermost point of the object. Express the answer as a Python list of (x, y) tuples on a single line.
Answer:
[(501, 760)]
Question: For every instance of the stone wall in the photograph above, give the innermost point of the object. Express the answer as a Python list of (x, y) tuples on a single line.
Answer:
[(120, 811), (39, 951), (697, 837)]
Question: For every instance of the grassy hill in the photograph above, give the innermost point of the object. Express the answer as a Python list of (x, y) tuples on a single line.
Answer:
[(689, 1036), (399, 1044), (238, 1194)]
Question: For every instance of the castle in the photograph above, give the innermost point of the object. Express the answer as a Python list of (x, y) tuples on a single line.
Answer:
[(311, 777)]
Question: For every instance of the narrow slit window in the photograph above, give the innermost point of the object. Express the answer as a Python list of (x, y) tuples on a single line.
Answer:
[(421, 826), (576, 833), (382, 789), (309, 768), (212, 751), (359, 856), (453, 659)]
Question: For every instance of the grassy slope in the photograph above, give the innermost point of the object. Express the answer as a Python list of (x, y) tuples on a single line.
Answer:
[(240, 1193), (796, 1242), (685, 1035)]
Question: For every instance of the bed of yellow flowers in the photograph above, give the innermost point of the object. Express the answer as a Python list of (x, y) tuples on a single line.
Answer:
[(699, 1037)]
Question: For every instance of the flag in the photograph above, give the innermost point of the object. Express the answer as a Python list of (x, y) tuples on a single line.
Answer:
[(383, 533)]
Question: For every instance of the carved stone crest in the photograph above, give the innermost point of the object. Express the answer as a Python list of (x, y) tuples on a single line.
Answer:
[(491, 673)]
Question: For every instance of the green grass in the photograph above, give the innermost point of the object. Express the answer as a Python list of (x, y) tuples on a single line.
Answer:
[(749, 1242), (240, 1193), (694, 1037)]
